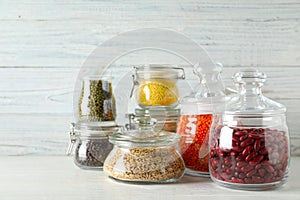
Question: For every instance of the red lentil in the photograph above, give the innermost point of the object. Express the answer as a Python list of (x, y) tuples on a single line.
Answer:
[(193, 145)]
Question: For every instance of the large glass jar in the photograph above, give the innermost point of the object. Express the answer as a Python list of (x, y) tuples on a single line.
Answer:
[(156, 85), (195, 122), (143, 155), (96, 102), (249, 144), (90, 144)]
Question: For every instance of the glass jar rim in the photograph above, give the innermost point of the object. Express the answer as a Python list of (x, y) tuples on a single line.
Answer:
[(92, 130), (98, 77), (157, 71), (130, 139)]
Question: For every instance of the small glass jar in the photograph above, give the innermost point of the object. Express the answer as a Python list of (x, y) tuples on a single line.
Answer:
[(96, 102), (156, 85), (166, 118), (145, 156), (91, 145), (195, 122), (249, 144)]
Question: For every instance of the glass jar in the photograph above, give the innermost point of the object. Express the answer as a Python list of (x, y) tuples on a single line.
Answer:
[(143, 155), (96, 102), (156, 85), (166, 118), (195, 122), (249, 144), (91, 144)]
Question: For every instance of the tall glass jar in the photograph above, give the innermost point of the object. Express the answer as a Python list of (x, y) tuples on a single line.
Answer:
[(96, 102), (249, 144), (143, 155), (156, 85), (195, 122), (90, 144)]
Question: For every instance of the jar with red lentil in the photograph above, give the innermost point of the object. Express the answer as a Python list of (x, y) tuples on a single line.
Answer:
[(249, 143), (195, 122)]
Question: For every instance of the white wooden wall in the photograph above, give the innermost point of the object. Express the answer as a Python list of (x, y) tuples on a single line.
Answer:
[(43, 44)]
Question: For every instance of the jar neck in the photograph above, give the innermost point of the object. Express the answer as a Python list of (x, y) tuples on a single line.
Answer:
[(250, 90)]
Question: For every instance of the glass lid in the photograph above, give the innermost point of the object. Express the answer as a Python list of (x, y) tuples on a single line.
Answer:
[(250, 100), (144, 136)]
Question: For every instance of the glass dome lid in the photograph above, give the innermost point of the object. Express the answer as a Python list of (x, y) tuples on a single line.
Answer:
[(250, 101), (144, 136)]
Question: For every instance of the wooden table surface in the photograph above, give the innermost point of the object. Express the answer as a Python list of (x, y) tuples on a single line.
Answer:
[(56, 177)]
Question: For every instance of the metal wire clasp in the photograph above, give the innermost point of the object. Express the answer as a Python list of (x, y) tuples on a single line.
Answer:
[(72, 139)]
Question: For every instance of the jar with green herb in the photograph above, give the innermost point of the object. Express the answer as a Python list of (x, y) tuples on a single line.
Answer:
[(96, 102)]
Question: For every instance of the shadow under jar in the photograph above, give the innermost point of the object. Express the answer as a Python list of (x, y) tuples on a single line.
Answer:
[(249, 142)]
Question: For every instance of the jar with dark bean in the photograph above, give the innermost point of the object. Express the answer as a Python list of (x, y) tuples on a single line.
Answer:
[(91, 145), (249, 143)]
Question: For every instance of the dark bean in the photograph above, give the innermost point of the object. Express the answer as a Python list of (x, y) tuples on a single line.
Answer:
[(246, 142), (247, 150), (256, 146), (254, 158), (239, 133), (250, 156), (251, 173), (261, 172)]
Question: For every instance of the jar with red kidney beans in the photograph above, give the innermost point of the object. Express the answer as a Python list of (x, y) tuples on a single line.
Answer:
[(249, 142)]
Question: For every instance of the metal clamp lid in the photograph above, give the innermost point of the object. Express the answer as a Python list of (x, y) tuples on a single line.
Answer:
[(72, 139)]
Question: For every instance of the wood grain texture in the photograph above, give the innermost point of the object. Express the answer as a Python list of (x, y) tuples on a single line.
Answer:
[(44, 43), (57, 177)]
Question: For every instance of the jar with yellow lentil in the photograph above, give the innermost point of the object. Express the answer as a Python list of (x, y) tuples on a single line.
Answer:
[(145, 156), (157, 85)]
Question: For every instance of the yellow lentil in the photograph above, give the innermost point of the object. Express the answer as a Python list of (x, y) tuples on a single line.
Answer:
[(157, 92)]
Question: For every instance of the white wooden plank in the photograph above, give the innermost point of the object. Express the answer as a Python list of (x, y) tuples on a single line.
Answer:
[(36, 105), (56, 177), (244, 33)]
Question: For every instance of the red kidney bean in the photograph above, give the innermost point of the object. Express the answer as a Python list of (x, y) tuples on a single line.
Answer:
[(254, 135), (236, 180), (261, 172), (250, 156), (239, 133), (247, 150), (256, 146), (251, 173), (242, 138), (256, 160), (246, 142), (237, 149), (257, 156)]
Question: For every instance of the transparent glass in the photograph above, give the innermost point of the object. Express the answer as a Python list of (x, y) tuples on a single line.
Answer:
[(249, 143), (157, 85), (195, 122), (92, 145), (96, 102), (166, 119), (144, 156)]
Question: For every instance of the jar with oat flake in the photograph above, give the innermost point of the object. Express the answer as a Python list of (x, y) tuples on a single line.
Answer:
[(142, 155)]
